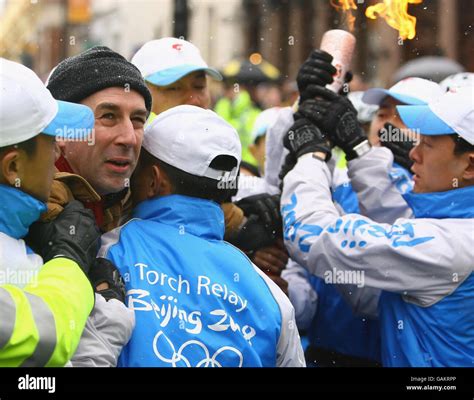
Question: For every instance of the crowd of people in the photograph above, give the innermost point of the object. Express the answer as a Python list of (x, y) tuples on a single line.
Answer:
[(139, 228)]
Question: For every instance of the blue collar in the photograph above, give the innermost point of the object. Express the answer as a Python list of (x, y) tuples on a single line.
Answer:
[(456, 203), (18, 211), (203, 218)]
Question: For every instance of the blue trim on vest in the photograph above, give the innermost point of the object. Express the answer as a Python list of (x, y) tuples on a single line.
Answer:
[(18, 210), (456, 203)]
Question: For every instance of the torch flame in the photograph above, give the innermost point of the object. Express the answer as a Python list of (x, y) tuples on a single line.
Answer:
[(346, 6), (396, 14)]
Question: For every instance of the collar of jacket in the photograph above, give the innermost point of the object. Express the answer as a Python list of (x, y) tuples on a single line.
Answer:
[(18, 211), (85, 193), (202, 218), (456, 203)]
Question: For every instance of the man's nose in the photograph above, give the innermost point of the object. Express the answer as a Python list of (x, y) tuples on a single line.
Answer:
[(194, 99), (127, 136)]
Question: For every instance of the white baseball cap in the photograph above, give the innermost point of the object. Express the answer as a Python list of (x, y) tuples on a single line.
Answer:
[(164, 61), (452, 112), (27, 108), (457, 80), (412, 91), (189, 138)]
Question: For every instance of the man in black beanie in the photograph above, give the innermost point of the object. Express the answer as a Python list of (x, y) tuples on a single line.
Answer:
[(117, 94), (96, 172)]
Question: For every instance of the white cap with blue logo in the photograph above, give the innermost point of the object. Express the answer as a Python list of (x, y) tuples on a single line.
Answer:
[(164, 61)]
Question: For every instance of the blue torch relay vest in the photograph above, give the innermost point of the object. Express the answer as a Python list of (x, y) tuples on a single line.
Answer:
[(441, 335), (198, 300)]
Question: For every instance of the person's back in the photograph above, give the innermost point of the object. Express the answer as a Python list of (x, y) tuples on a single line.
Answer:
[(198, 300)]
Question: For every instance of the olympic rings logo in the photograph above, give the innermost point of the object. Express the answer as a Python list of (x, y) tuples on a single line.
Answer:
[(207, 360)]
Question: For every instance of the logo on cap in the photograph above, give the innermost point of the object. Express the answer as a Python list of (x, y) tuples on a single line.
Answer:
[(177, 46)]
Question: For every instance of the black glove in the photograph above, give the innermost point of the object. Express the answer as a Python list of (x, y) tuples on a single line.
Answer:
[(73, 234), (304, 137), (267, 208), (316, 70), (253, 235), (104, 271), (336, 116), (400, 148)]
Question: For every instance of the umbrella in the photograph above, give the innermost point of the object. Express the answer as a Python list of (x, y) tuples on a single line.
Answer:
[(252, 70), (435, 68)]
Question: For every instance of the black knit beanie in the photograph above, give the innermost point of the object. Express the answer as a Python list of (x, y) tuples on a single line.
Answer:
[(95, 69)]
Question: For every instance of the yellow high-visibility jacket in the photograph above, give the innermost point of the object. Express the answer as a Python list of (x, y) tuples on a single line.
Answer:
[(41, 324)]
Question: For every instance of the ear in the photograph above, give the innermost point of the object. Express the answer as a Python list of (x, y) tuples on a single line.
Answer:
[(11, 167), (468, 174), (161, 184)]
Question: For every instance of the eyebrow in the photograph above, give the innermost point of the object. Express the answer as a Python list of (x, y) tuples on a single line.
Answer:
[(200, 74), (107, 106), (116, 108)]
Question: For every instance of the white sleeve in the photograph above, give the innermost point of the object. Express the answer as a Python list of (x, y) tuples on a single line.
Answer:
[(289, 349), (302, 294), (275, 153), (249, 186), (17, 267), (423, 259), (378, 197), (108, 329)]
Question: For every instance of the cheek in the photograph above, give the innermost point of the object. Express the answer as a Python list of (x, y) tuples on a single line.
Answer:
[(139, 134)]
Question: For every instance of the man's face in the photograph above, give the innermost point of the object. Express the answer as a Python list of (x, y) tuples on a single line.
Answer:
[(35, 172), (387, 113), (436, 167), (190, 90), (120, 117)]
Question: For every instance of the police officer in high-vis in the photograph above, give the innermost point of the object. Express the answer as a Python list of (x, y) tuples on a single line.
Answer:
[(45, 298)]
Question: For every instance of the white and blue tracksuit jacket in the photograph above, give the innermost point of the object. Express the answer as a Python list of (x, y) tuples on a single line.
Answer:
[(423, 265), (198, 301)]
